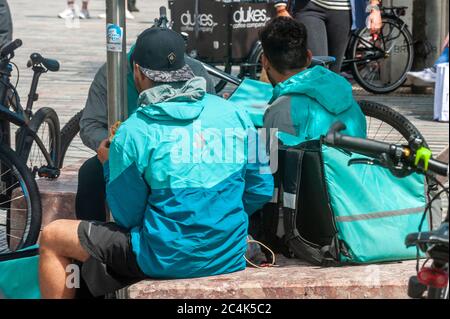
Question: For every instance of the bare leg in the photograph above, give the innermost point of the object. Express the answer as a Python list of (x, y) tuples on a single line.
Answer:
[(59, 245)]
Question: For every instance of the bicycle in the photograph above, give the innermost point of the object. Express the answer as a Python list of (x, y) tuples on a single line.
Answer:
[(403, 160), (366, 56), (36, 153)]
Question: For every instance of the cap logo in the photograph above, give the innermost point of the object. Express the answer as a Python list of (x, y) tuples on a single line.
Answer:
[(172, 57)]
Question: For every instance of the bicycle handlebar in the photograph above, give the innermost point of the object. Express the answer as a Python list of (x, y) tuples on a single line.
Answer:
[(162, 21), (10, 48), (374, 149), (50, 64)]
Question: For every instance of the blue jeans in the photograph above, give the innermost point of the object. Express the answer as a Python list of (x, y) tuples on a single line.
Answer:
[(443, 58)]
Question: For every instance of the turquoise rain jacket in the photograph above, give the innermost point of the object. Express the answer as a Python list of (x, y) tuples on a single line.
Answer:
[(184, 196), (306, 105)]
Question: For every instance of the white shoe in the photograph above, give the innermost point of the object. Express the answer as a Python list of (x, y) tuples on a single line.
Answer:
[(84, 14), (128, 15), (428, 75), (69, 13)]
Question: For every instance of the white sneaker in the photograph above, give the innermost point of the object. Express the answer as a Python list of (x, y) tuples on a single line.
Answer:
[(84, 14), (68, 13), (128, 15), (428, 75)]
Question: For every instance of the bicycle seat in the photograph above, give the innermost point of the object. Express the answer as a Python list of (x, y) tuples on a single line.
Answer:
[(49, 64), (325, 61), (438, 236)]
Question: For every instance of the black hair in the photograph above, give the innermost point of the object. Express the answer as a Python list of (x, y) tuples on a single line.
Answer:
[(284, 43)]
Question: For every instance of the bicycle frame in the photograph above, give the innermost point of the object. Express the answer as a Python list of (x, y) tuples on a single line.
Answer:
[(386, 12), (20, 116)]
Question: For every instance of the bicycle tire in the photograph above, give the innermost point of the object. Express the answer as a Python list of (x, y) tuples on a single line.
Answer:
[(393, 118), (256, 59), (25, 140), (391, 88), (68, 133), (222, 83), (435, 293), (34, 215)]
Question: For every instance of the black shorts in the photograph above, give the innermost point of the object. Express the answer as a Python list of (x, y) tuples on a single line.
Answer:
[(112, 265)]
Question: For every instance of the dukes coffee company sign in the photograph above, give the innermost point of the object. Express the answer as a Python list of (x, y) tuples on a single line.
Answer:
[(205, 22), (247, 18), (242, 18), (220, 31)]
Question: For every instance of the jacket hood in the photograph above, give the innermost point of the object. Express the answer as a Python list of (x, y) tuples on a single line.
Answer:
[(174, 101), (329, 89)]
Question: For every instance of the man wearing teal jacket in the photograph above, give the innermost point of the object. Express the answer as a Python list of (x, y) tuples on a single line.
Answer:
[(183, 176), (90, 199), (306, 102)]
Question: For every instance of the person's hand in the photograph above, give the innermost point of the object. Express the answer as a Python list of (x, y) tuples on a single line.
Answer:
[(375, 22), (113, 129), (103, 151), (282, 11)]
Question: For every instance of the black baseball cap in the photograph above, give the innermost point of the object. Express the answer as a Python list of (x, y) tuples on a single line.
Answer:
[(159, 52)]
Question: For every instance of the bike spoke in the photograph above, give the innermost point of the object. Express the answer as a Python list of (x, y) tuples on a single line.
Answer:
[(11, 200)]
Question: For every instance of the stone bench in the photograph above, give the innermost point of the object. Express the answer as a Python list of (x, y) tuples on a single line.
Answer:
[(291, 279)]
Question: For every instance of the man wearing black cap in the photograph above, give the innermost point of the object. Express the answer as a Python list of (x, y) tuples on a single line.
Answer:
[(181, 184), (90, 200)]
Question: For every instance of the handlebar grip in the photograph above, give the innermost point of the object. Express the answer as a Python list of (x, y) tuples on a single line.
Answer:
[(363, 146), (51, 65), (11, 47), (438, 167), (163, 12)]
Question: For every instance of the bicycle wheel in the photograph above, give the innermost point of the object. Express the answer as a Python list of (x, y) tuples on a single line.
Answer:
[(386, 124), (20, 204), (256, 71), (45, 124), (384, 63), (437, 293), (219, 84), (71, 142)]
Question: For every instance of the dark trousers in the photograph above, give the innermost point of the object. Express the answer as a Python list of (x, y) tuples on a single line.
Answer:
[(5, 23), (90, 199), (328, 31), (90, 203)]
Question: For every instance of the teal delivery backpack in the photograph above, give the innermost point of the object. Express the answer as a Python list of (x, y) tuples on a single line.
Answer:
[(19, 278), (336, 214)]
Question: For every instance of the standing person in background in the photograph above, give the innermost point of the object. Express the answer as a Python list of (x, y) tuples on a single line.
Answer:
[(5, 23), (127, 12), (329, 23), (427, 77), (73, 10), (132, 6)]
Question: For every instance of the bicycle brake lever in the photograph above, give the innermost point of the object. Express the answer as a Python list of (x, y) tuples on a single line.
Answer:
[(386, 162), (364, 161)]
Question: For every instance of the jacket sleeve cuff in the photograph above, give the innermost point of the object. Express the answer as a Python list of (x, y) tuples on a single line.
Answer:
[(106, 171)]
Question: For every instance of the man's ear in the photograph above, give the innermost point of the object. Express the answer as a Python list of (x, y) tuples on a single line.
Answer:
[(265, 62), (137, 71), (309, 57)]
